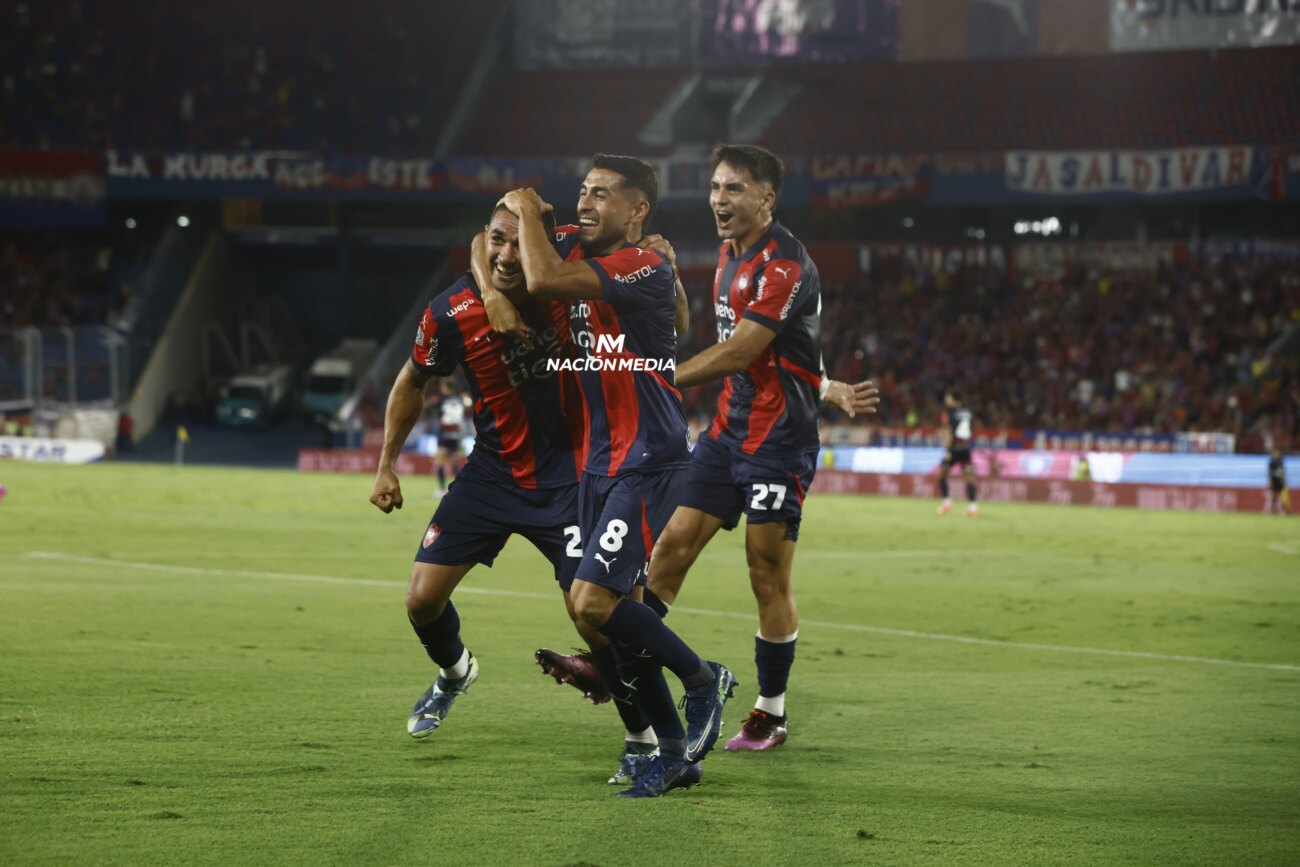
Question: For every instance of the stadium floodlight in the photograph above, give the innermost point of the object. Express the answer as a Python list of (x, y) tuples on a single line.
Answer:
[(182, 221), (130, 222)]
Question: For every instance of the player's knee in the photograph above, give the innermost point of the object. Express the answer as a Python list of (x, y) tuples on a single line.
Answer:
[(768, 580), (769, 593), (423, 602), (591, 603)]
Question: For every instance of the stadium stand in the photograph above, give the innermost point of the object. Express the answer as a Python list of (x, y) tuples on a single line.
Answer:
[(1181, 350), (331, 76)]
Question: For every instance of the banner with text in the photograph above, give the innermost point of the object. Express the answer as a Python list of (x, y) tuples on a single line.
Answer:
[(1235, 172), (867, 181), (40, 189), (283, 174), (1157, 25)]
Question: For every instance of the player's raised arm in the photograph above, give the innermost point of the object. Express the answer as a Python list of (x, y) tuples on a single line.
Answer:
[(405, 404), (545, 273), (730, 356)]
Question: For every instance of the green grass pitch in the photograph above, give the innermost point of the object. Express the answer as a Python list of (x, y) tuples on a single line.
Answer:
[(213, 666)]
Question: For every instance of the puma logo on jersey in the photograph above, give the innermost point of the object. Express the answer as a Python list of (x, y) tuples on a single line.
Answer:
[(784, 272), (605, 563)]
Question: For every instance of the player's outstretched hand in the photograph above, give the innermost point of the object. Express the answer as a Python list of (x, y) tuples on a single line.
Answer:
[(387, 493), (853, 399)]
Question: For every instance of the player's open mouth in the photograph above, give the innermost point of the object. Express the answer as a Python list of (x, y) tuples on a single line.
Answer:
[(507, 272), (723, 218), (588, 222)]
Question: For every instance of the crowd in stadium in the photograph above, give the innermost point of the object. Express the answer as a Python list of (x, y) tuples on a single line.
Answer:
[(53, 280), (1182, 349), (352, 80)]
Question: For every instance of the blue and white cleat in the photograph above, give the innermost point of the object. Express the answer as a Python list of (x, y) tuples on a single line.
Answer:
[(432, 708), (664, 774), (636, 758), (703, 711)]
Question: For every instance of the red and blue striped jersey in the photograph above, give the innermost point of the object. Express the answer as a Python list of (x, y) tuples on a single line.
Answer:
[(527, 415), (625, 354), (769, 409)]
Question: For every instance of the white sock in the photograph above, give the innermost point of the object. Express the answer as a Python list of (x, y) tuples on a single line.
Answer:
[(460, 669), (646, 737), (774, 705), (947, 501)]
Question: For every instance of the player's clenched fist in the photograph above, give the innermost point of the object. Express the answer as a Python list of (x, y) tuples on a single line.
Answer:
[(387, 493)]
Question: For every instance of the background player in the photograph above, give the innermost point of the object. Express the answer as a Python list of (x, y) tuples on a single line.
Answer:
[(760, 454), (1279, 498), (522, 475), (622, 304), (451, 430), (956, 429)]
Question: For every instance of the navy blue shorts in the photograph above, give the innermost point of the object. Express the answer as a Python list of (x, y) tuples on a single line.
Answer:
[(620, 519), (476, 517), (959, 454), (724, 483)]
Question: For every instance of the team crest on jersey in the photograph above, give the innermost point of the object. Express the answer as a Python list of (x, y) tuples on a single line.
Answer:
[(419, 337), (743, 282), (431, 535)]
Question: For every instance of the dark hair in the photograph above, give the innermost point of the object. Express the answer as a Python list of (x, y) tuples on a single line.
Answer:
[(637, 173), (761, 163), (954, 394)]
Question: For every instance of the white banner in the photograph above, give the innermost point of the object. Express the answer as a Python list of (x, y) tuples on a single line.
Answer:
[(50, 450), (1159, 25), (1184, 170)]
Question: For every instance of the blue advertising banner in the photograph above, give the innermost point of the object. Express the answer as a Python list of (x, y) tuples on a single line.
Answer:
[(39, 189)]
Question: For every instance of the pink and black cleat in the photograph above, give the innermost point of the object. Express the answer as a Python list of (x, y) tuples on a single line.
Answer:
[(577, 670), (761, 731)]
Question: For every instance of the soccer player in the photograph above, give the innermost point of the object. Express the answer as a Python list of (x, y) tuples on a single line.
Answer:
[(759, 456), (622, 300), (451, 430), (955, 432), (522, 475), (1279, 498)]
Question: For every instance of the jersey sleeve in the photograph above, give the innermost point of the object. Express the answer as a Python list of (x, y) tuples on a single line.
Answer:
[(564, 240), (634, 278), (436, 351), (778, 291)]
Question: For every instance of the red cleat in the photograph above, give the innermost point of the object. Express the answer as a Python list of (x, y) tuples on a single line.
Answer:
[(577, 670)]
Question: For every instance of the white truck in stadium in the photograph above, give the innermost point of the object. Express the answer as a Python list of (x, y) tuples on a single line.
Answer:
[(254, 398), (335, 376)]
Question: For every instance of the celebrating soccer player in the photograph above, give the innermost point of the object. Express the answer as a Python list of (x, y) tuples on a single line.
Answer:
[(522, 475), (623, 300), (760, 454)]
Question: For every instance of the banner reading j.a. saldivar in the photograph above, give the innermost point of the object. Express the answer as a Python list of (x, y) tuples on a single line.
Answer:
[(1229, 172)]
